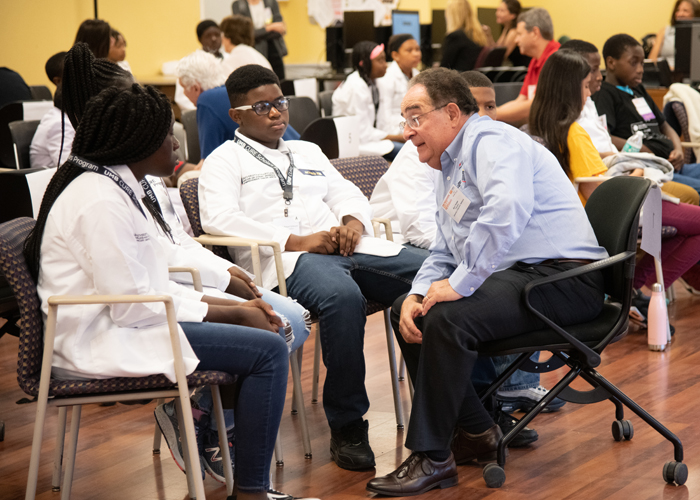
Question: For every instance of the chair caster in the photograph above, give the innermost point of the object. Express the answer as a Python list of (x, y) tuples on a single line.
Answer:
[(279, 463), (622, 430), (399, 427), (308, 456), (675, 473), (494, 475), (295, 412)]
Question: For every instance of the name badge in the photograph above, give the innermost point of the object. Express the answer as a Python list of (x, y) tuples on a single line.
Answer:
[(290, 223), (604, 121), (531, 92), (455, 203), (643, 108), (316, 173)]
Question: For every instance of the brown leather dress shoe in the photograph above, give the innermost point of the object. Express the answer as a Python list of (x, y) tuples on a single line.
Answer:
[(481, 448), (415, 476)]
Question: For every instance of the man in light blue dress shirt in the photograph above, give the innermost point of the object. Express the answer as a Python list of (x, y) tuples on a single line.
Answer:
[(507, 214)]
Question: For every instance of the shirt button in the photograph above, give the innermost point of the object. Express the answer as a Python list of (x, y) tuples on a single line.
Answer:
[(453, 238), (448, 177), (471, 289), (493, 267)]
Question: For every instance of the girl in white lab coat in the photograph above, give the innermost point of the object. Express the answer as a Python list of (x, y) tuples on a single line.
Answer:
[(406, 55), (93, 237), (359, 96)]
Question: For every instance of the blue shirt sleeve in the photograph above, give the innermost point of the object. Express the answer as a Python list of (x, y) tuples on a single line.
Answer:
[(290, 134), (211, 130)]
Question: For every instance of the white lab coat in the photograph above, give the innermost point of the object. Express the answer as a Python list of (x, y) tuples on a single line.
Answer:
[(240, 196), (392, 88), (240, 56), (97, 242), (46, 143), (354, 98), (405, 194), (596, 127)]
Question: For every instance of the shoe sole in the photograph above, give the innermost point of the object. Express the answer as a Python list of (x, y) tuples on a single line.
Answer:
[(511, 405), (214, 475), (350, 466), (168, 431), (445, 483), (481, 460)]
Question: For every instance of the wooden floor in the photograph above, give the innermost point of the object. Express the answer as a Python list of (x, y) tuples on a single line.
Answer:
[(575, 457)]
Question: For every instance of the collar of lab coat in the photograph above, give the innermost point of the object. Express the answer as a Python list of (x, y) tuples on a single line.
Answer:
[(281, 145), (127, 176)]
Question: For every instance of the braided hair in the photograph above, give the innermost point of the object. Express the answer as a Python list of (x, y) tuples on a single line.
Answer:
[(118, 127)]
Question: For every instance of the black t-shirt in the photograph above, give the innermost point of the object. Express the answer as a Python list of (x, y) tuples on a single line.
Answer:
[(624, 119), (459, 51), (12, 87)]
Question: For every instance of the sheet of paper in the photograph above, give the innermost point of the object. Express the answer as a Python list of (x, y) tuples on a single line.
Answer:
[(37, 182), (378, 246), (35, 110), (651, 223), (307, 87), (348, 136)]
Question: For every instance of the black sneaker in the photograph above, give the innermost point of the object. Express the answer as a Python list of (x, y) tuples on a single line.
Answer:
[(507, 423), (350, 447)]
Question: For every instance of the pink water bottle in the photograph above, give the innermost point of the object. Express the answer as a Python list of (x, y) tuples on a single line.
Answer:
[(657, 319)]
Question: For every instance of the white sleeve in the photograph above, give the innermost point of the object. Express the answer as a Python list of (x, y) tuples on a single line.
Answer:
[(413, 196), (105, 231), (219, 194)]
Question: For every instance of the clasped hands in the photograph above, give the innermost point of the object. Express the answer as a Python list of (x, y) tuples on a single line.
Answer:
[(415, 306), (340, 239)]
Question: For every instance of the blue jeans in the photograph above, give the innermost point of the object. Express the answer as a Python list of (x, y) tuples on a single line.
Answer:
[(288, 308), (689, 175), (335, 288), (260, 359)]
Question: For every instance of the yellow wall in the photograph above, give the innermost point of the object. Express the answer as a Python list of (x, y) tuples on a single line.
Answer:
[(163, 30)]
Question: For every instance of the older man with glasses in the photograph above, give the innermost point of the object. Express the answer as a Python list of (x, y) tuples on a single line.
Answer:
[(263, 187), (507, 215)]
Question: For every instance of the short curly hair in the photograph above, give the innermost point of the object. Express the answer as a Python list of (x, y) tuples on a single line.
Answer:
[(247, 78), (444, 86)]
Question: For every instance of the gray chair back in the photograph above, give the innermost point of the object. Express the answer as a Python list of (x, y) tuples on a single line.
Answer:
[(325, 101), (506, 92), (40, 93), (22, 133), (189, 122), (302, 111), (323, 133)]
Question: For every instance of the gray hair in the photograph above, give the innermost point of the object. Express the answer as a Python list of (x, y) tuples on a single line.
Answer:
[(202, 68), (540, 18)]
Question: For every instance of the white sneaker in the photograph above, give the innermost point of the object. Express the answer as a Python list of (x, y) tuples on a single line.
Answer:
[(526, 399), (278, 495)]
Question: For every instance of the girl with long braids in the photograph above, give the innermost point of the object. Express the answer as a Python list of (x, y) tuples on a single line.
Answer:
[(359, 96), (93, 236), (85, 77)]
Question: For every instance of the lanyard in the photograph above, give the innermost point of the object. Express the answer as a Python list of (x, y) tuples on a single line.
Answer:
[(625, 89), (285, 184), (151, 195), (99, 169)]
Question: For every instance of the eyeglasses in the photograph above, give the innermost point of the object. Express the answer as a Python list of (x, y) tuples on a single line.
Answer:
[(264, 107), (413, 122)]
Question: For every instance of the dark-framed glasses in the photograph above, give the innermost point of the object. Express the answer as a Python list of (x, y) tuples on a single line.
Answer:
[(264, 107)]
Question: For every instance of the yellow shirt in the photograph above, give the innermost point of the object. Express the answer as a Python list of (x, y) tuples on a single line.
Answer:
[(584, 159)]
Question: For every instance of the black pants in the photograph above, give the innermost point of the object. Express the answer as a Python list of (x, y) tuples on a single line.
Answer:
[(273, 56), (441, 366)]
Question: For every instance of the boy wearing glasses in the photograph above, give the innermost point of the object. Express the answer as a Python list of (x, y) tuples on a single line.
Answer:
[(263, 187)]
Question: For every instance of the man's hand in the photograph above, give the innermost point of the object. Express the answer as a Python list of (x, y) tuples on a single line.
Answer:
[(236, 272), (439, 291), (346, 237), (410, 310), (321, 243), (677, 159)]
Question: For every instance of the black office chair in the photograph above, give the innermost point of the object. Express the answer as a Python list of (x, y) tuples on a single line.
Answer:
[(11, 112), (325, 102), (40, 93), (15, 199), (287, 88), (323, 133), (613, 210), (22, 133), (302, 111), (189, 122), (506, 92)]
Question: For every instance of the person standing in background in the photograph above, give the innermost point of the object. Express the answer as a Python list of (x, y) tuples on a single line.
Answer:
[(269, 30)]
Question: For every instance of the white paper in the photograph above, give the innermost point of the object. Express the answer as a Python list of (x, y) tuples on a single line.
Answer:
[(35, 110), (348, 136), (651, 223), (307, 87), (378, 247), (38, 182)]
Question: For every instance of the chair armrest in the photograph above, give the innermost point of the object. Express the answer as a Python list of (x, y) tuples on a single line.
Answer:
[(592, 358), (690, 144), (381, 221), (234, 241), (196, 277)]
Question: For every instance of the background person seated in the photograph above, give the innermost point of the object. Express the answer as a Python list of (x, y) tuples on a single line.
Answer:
[(203, 78), (237, 39), (97, 34), (665, 43), (262, 187), (535, 37), (465, 37), (507, 14), (117, 50)]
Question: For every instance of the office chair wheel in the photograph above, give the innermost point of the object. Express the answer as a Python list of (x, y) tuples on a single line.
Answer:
[(622, 430), (675, 472), (494, 475)]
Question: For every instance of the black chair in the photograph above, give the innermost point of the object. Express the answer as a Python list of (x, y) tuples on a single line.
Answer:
[(325, 102), (40, 93), (302, 111), (287, 88), (22, 133), (189, 122), (10, 112), (613, 210), (323, 133), (15, 199)]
